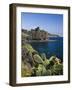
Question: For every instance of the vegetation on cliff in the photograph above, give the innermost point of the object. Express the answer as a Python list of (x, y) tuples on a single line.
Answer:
[(36, 64)]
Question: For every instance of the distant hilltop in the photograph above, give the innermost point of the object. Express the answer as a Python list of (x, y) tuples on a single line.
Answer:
[(53, 35)]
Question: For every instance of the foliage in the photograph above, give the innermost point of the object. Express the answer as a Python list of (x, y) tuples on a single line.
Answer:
[(41, 70), (58, 68), (28, 47), (38, 59), (34, 64), (25, 70), (52, 58), (46, 62)]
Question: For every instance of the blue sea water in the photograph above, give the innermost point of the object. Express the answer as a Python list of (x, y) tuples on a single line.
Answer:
[(52, 47)]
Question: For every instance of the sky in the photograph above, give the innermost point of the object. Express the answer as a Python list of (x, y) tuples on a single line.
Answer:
[(52, 23)]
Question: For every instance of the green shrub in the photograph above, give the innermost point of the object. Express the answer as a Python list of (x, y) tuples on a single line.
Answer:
[(29, 47), (41, 71), (37, 59), (52, 58), (58, 69), (26, 70), (46, 62), (49, 72)]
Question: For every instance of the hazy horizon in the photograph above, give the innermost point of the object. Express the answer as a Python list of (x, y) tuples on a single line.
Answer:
[(52, 23)]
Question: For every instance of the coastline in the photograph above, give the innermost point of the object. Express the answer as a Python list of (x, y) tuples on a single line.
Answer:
[(40, 41)]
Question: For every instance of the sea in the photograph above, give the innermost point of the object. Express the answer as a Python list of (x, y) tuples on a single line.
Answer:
[(54, 46)]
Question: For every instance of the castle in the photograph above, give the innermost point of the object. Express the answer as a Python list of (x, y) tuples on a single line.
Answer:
[(34, 34)]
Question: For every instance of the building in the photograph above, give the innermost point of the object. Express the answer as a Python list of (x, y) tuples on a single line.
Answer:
[(34, 34), (38, 34)]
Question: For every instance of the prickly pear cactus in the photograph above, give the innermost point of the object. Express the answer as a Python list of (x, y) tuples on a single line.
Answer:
[(41, 71)]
